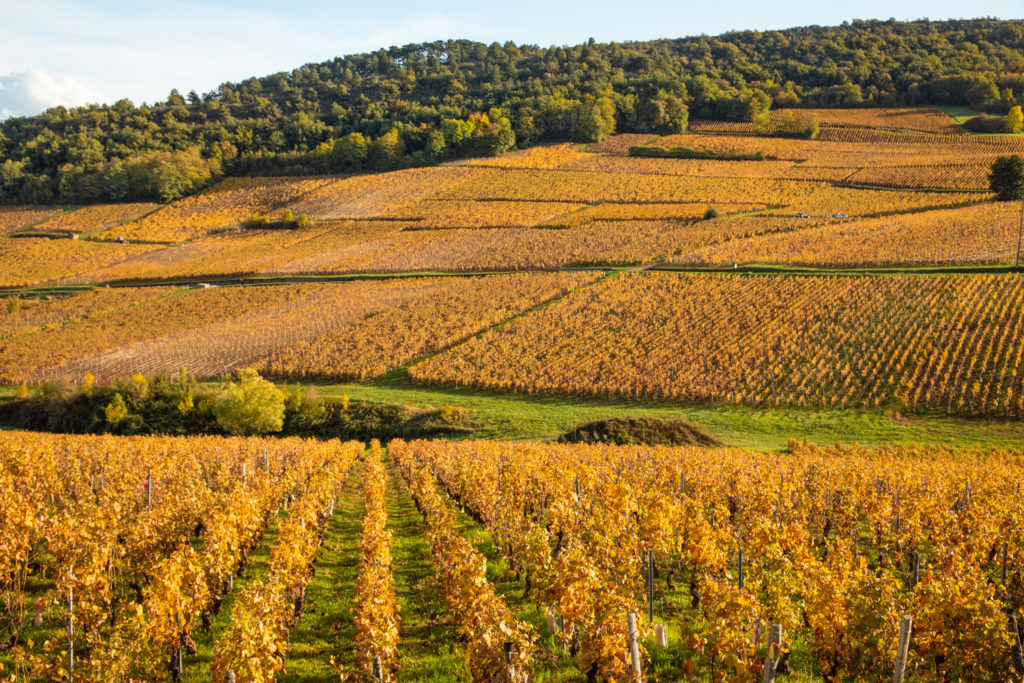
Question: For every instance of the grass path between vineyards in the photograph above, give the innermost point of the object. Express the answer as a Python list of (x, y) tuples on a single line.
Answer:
[(197, 666), (429, 647), (326, 628)]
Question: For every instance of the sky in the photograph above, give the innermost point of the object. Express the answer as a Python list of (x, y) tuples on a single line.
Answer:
[(72, 52)]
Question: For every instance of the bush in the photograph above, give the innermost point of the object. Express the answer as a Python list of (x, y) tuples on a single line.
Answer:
[(689, 153), (623, 431), (116, 411), (177, 405), (255, 221), (986, 123), (710, 213), (252, 406), (1006, 178)]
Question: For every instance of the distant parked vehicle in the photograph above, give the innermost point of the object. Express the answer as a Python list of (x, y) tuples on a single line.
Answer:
[(838, 215), (801, 215)]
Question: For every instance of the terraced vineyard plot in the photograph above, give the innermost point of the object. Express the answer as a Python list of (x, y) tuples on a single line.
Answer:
[(434, 214), (627, 188), (296, 330), (224, 205), (925, 119), (985, 233), (29, 261), (948, 344), (32, 314), (94, 218), (14, 218), (436, 314), (377, 194)]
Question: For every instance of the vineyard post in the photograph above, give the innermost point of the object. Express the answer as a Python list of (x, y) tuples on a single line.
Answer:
[(1020, 230), (149, 489), (378, 673), (915, 569), (507, 649), (244, 477), (774, 653), (650, 586), (1015, 649), (70, 624), (902, 649), (229, 677), (1002, 581), (634, 645), (266, 461), (739, 570), (682, 484)]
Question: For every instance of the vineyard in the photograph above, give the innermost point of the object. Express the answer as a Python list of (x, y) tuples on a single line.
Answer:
[(948, 344), (984, 233), (561, 205), (158, 558), (357, 329)]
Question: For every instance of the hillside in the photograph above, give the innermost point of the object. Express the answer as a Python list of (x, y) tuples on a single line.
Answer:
[(425, 103), (833, 273)]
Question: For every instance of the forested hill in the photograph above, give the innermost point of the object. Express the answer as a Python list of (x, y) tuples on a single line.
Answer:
[(423, 103)]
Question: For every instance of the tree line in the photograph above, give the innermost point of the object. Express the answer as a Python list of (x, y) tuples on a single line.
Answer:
[(427, 102)]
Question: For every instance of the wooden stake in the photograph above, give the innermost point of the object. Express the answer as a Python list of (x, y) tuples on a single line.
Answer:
[(70, 625), (902, 649), (634, 645), (1002, 580), (661, 635), (1015, 650), (149, 490), (378, 673), (915, 569), (739, 569), (552, 621), (774, 653), (650, 586)]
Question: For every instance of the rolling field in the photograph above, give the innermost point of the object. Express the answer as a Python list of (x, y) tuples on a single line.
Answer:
[(358, 329), (948, 344), (942, 344), (209, 558), (913, 189)]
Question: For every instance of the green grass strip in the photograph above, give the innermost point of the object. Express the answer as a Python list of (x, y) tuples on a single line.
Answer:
[(326, 628)]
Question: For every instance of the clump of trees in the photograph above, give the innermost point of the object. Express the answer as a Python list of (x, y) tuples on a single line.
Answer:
[(1011, 122), (427, 102), (1006, 178), (247, 404)]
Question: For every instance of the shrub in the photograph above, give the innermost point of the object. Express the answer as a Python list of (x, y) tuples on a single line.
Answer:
[(624, 431), (986, 123), (251, 406), (116, 410), (255, 221), (710, 213)]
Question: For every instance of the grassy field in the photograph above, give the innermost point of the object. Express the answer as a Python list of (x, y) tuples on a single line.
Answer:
[(526, 417), (959, 114)]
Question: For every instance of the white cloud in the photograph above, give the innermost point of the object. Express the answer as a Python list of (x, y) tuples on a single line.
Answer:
[(32, 91)]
